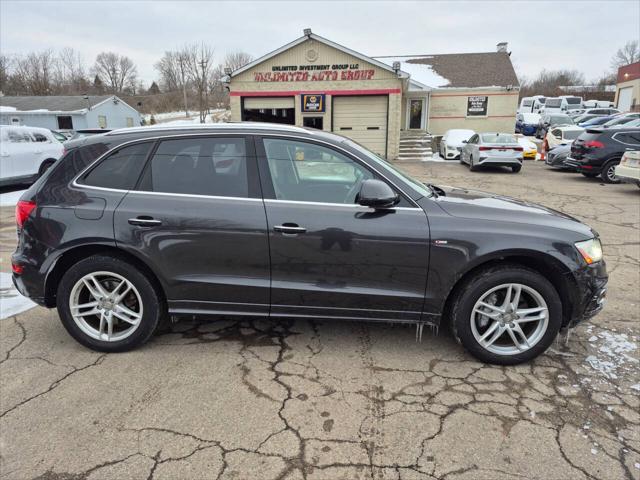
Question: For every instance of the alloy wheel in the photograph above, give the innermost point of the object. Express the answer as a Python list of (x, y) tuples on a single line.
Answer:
[(106, 306), (611, 174), (509, 319)]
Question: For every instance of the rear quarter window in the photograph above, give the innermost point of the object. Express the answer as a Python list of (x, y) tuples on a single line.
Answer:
[(120, 170)]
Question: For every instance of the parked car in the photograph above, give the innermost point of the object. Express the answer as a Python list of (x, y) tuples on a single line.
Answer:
[(547, 121), (597, 151), (529, 149), (526, 123), (344, 236), (452, 142), (628, 170), (492, 149), (557, 156), (595, 122), (85, 132), (622, 119), (561, 136), (26, 153)]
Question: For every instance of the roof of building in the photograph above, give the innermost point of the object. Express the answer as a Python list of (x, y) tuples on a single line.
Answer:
[(459, 70), (53, 103)]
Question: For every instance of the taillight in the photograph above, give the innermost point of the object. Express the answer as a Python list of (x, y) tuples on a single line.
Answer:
[(23, 210), (594, 144), (518, 149)]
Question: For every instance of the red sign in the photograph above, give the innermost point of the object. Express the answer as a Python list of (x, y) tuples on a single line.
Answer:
[(324, 75)]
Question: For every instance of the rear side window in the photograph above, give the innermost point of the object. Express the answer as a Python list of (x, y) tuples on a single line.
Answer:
[(199, 166), (629, 138), (38, 137), (121, 169)]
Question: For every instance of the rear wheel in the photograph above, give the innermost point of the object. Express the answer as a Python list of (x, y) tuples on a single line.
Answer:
[(608, 173), (108, 305), (506, 314), (472, 165)]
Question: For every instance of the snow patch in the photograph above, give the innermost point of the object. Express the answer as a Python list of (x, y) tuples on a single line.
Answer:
[(10, 199), (11, 301), (418, 71), (614, 354), (8, 109)]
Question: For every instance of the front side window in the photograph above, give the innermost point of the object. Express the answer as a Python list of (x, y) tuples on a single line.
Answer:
[(38, 137), (121, 169), (306, 172), (199, 166)]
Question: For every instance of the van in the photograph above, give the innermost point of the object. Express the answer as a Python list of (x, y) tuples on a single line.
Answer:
[(562, 104), (531, 104)]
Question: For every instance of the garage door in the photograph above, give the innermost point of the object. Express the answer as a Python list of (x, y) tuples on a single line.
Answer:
[(624, 99), (364, 119)]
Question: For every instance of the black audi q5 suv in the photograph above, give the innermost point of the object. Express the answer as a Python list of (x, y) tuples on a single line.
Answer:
[(264, 220)]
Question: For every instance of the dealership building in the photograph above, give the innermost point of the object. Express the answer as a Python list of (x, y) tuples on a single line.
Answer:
[(389, 104)]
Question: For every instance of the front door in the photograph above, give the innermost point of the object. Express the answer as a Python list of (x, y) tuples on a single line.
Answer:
[(416, 107), (330, 257), (197, 219)]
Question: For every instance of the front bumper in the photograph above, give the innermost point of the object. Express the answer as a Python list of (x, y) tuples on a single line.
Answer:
[(590, 295)]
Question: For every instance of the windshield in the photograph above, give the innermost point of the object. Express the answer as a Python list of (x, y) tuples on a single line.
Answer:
[(553, 102), (542, 100), (457, 136), (573, 100), (501, 138), (387, 167), (560, 119), (571, 134), (527, 103)]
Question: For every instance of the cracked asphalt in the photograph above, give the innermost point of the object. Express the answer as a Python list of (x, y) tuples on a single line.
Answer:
[(328, 400)]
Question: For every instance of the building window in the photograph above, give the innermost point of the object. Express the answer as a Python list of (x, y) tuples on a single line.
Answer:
[(65, 122), (102, 121), (129, 122)]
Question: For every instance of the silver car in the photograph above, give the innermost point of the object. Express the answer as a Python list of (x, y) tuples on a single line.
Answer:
[(493, 149)]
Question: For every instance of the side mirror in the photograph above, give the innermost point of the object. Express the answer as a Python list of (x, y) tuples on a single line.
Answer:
[(377, 194)]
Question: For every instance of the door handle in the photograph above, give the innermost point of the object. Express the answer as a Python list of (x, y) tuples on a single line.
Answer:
[(289, 229), (145, 221)]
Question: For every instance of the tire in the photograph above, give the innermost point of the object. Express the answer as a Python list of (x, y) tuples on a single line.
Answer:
[(467, 330), (44, 166), (143, 301), (608, 174), (589, 174), (472, 165), (516, 168)]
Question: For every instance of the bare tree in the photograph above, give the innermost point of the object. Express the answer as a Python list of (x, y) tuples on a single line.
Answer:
[(236, 60), (629, 53), (5, 72), (34, 72), (548, 82), (168, 67), (116, 71), (198, 61), (70, 72)]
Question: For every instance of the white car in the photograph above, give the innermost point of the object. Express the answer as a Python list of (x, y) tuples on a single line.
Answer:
[(26, 153), (561, 136), (628, 170), (453, 141)]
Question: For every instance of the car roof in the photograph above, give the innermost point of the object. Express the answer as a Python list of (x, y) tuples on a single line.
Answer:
[(25, 127), (123, 135)]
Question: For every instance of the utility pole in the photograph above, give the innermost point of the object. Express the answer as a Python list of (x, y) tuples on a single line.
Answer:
[(203, 90)]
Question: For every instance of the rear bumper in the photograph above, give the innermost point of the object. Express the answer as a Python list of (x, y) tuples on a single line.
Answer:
[(628, 174), (500, 161)]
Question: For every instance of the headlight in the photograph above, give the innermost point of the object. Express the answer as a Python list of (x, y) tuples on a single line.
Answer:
[(591, 250)]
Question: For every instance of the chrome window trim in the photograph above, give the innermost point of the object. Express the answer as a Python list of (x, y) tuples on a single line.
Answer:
[(82, 186), (347, 205), (620, 141), (193, 195)]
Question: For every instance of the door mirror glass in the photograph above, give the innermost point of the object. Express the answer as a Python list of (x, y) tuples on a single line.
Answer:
[(377, 194)]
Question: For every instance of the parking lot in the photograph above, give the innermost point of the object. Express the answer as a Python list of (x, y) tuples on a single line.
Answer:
[(325, 400)]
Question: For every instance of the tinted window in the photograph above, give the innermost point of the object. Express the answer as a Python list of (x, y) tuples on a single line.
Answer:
[(573, 100), (553, 102), (498, 138), (38, 137), (200, 166), (307, 172), (121, 169), (629, 138)]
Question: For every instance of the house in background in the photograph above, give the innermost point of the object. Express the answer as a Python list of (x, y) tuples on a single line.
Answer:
[(628, 88), (68, 112)]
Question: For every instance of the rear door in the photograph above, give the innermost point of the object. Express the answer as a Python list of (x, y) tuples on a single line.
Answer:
[(198, 220), (331, 257)]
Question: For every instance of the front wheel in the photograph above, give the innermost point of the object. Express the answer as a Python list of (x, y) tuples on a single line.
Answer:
[(108, 305), (516, 168), (506, 314)]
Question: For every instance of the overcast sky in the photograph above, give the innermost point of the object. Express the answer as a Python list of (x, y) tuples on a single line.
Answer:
[(581, 35)]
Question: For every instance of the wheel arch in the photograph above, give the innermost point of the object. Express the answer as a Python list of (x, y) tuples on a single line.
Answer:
[(548, 266), (75, 254)]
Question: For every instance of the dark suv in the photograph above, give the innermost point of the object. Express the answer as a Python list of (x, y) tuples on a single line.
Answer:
[(597, 151), (252, 220)]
